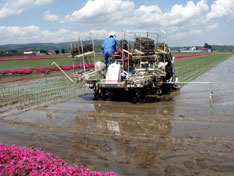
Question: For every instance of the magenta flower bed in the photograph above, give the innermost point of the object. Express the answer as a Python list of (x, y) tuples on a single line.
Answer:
[(24, 161), (192, 55)]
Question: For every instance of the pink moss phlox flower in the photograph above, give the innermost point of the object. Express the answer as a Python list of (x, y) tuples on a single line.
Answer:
[(15, 160)]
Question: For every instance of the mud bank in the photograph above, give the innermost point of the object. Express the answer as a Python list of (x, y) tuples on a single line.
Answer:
[(181, 134)]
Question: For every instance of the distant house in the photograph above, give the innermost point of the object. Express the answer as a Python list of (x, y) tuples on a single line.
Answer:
[(193, 48), (184, 49), (51, 52), (29, 52), (206, 50)]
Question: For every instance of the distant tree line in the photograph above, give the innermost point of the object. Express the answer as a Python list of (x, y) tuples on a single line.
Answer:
[(2, 52)]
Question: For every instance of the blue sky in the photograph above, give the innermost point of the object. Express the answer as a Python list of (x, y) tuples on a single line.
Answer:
[(185, 22)]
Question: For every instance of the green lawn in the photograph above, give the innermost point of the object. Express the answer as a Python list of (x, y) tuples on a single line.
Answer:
[(180, 54), (4, 65)]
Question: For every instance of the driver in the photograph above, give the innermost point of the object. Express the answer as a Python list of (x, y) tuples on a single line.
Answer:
[(109, 47)]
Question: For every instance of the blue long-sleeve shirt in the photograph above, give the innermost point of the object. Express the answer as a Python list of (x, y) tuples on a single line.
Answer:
[(110, 45)]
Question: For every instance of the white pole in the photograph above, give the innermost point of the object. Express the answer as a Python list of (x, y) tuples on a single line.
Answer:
[(94, 55), (63, 72), (82, 53)]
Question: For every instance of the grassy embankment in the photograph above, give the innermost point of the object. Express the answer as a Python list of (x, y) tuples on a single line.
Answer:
[(190, 68)]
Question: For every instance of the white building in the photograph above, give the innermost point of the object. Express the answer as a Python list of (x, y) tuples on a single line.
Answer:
[(29, 52)]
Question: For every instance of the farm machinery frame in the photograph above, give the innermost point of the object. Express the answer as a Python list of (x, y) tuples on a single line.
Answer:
[(151, 72)]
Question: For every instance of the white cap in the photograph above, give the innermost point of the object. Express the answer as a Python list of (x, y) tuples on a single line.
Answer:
[(112, 34)]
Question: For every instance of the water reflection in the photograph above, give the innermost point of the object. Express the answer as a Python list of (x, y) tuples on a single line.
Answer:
[(140, 139), (123, 137)]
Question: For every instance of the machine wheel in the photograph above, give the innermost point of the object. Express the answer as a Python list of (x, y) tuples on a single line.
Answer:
[(97, 94), (167, 89), (140, 95), (101, 94)]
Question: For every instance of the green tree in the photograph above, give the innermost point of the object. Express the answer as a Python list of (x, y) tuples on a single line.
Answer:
[(63, 51), (57, 51), (206, 45), (43, 51)]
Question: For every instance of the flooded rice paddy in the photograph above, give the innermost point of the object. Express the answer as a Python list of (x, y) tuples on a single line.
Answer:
[(180, 134)]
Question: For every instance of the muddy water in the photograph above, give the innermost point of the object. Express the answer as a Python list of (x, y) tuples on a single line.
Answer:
[(181, 134)]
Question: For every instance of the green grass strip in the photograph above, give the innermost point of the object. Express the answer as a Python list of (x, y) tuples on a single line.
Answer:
[(5, 65)]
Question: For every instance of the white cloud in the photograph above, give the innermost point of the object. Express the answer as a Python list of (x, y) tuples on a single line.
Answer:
[(182, 34), (212, 27), (33, 34), (122, 13), (221, 8), (50, 17), (180, 14), (16, 7), (180, 21), (152, 15), (101, 11), (42, 2), (98, 34)]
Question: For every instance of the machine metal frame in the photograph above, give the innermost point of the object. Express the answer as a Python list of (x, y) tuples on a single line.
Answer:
[(150, 76)]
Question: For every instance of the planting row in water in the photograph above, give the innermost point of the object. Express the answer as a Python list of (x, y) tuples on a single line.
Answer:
[(187, 70), (38, 93)]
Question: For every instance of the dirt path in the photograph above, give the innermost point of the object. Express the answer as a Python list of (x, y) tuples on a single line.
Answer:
[(181, 134)]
